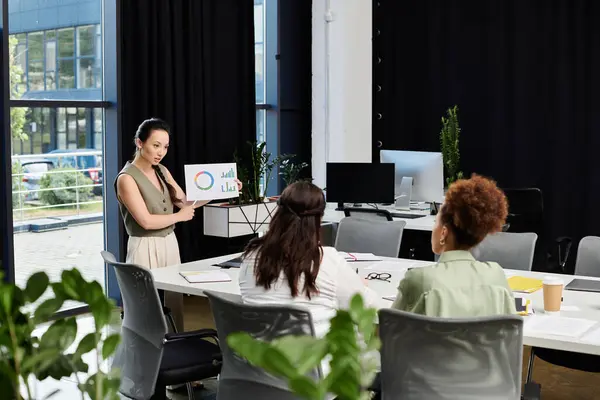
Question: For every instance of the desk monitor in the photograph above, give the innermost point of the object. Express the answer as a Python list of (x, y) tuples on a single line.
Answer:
[(426, 170), (360, 183)]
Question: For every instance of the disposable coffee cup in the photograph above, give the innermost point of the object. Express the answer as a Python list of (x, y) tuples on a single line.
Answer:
[(552, 288)]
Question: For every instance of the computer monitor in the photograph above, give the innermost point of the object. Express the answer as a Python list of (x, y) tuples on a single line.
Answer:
[(425, 168), (360, 183)]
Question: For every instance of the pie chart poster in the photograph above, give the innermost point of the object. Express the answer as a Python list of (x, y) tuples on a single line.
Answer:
[(211, 181)]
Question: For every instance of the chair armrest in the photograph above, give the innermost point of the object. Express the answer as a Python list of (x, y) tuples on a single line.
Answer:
[(532, 391), (199, 334)]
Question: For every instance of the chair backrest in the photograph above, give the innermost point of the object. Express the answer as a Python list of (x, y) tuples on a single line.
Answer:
[(450, 359), (368, 213), (238, 378), (510, 250), (525, 210), (588, 257), (143, 329), (382, 238)]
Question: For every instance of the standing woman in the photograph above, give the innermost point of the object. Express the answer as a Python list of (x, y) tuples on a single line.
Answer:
[(147, 193)]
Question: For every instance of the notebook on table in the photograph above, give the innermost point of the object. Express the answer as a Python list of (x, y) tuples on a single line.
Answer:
[(523, 284), (205, 276), (583, 285)]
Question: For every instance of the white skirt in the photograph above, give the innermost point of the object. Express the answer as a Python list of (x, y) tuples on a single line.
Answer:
[(158, 252)]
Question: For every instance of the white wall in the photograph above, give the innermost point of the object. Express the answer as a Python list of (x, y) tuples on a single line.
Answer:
[(341, 108)]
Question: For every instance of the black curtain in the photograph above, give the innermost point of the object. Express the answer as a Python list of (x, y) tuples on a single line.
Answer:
[(295, 80), (190, 63), (526, 77)]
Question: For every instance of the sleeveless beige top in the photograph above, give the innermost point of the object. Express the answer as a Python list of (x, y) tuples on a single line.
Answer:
[(158, 202)]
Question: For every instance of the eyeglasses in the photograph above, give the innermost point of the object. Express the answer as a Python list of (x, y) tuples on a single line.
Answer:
[(383, 276)]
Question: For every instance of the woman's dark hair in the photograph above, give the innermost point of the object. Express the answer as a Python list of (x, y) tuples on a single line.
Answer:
[(473, 209), (143, 133), (292, 244)]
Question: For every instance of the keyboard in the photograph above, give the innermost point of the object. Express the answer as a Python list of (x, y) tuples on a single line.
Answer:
[(407, 216)]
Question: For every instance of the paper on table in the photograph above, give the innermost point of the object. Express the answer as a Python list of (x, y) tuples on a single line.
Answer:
[(388, 266), (360, 257), (592, 336), (569, 308), (205, 276), (552, 325)]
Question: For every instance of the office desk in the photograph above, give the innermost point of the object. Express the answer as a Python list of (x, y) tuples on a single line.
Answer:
[(424, 223), (588, 303)]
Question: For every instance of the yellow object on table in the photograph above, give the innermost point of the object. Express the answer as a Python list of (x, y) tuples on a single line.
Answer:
[(523, 284)]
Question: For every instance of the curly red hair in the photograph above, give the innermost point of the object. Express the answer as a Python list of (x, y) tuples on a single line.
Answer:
[(473, 209)]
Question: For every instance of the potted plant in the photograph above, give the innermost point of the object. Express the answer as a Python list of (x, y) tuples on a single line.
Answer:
[(449, 138), (290, 171), (351, 346), (26, 358), (252, 211)]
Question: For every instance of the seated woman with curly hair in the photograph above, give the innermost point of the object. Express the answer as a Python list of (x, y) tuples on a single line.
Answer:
[(458, 285)]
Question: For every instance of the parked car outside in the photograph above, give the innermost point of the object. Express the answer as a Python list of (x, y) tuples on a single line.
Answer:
[(91, 163), (33, 170)]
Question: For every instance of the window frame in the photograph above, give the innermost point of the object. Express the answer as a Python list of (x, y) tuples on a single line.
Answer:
[(111, 147)]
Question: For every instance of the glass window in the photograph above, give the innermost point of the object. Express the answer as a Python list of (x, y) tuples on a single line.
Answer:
[(50, 55), (66, 43), (66, 74), (35, 75), (85, 73), (35, 46), (259, 66), (86, 37)]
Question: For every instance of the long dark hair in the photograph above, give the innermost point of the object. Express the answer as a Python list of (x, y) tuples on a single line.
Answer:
[(143, 133), (292, 244)]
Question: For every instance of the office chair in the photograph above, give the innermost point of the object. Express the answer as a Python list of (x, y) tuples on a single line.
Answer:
[(510, 250), (239, 379), (358, 235), (587, 264), (150, 358), (526, 214), (451, 359), (368, 213)]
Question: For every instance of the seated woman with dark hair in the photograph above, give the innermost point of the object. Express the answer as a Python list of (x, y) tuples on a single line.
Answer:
[(458, 285), (288, 265)]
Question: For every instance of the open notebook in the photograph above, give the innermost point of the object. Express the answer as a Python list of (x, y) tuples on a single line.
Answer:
[(205, 276)]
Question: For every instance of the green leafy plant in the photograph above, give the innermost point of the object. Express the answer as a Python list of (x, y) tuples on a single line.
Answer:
[(25, 357), (449, 138), (350, 345), (65, 178), (290, 171), (254, 168)]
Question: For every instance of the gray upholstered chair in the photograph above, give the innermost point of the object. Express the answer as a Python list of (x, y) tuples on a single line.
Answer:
[(588, 257), (451, 359), (358, 235), (239, 379), (510, 250), (368, 213), (150, 358)]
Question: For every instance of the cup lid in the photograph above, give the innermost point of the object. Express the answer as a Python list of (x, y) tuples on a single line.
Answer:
[(552, 280)]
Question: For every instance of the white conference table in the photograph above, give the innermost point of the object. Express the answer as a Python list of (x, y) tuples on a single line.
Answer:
[(424, 223), (587, 304)]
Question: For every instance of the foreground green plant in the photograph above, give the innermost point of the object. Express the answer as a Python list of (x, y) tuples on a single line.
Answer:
[(25, 358), (449, 138), (351, 344)]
